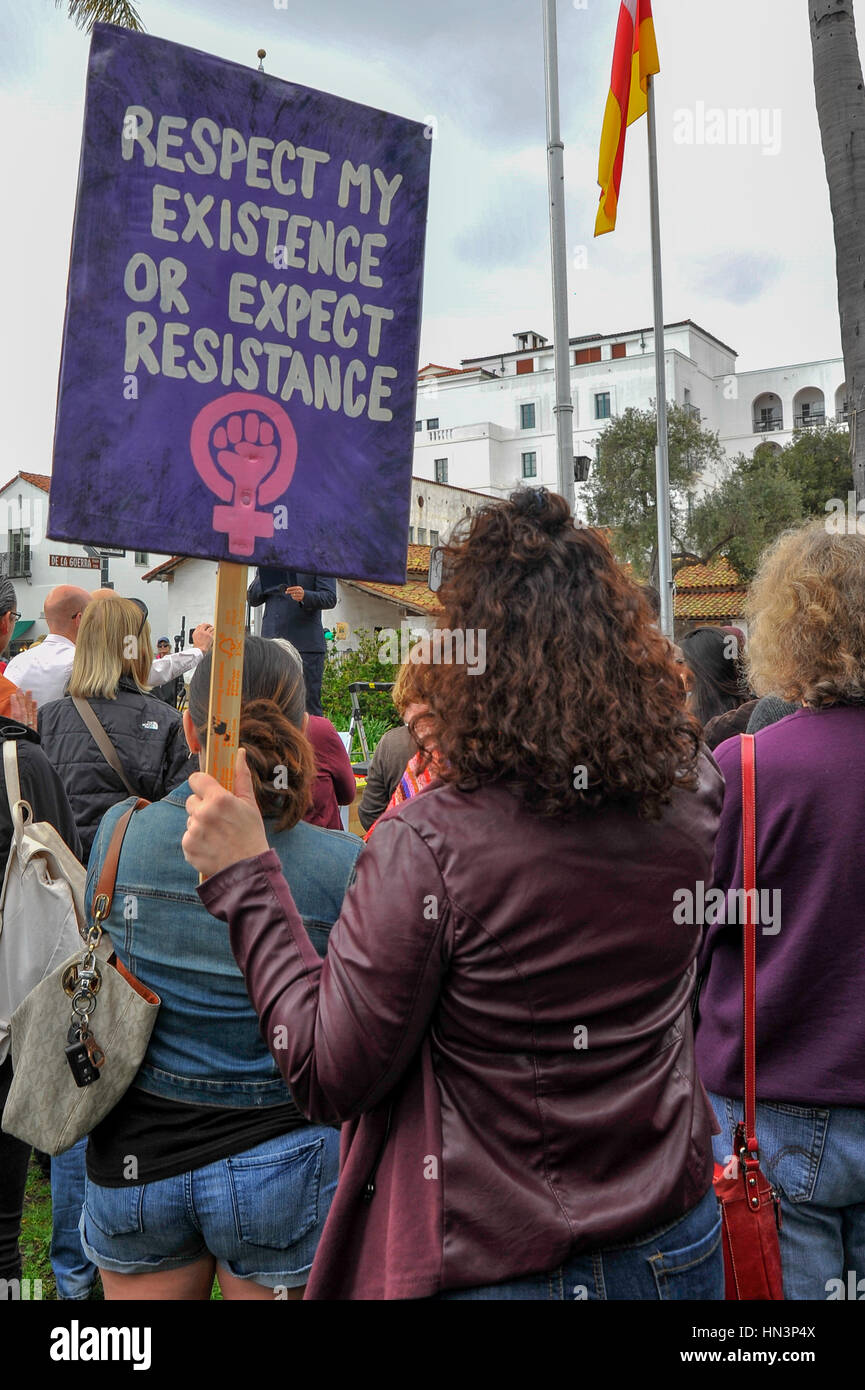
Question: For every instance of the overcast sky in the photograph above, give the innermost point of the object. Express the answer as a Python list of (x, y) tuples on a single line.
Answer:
[(748, 250)]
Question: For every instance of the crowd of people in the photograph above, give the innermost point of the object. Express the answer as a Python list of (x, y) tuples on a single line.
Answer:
[(478, 1056)]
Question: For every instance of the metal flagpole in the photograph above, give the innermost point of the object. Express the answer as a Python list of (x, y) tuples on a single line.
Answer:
[(662, 467), (563, 409)]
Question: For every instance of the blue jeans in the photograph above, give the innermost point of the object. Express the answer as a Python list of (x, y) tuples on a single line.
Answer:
[(681, 1260), (73, 1272), (815, 1157), (260, 1213)]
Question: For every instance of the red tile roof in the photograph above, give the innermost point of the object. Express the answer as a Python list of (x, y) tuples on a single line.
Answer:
[(167, 567), (415, 595), (40, 480), (718, 574), (434, 368), (709, 591), (417, 559), (723, 603)]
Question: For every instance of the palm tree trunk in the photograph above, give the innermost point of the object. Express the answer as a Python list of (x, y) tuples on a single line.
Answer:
[(841, 114)]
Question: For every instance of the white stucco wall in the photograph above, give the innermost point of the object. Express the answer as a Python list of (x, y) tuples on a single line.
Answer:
[(24, 506)]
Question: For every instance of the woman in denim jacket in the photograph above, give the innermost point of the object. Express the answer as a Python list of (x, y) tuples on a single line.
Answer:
[(207, 1165)]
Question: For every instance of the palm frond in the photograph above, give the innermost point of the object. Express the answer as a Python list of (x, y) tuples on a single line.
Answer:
[(86, 13)]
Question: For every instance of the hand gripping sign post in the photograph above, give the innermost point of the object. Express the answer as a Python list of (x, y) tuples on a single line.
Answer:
[(240, 352)]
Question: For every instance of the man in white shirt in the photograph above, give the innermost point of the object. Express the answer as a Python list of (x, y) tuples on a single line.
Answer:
[(166, 668), (44, 670)]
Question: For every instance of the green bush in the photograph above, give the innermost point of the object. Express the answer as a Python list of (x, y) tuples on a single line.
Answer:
[(361, 664)]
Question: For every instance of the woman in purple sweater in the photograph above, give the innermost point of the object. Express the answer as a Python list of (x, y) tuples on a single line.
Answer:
[(807, 644)]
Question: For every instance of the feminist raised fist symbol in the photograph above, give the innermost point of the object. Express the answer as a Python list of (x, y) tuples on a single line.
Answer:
[(257, 454)]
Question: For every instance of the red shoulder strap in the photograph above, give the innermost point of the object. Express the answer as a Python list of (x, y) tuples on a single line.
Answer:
[(749, 933)]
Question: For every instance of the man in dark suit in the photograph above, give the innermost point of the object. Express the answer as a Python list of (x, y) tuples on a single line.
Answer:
[(293, 603)]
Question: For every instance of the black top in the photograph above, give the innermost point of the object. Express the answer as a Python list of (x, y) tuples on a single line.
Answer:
[(389, 761), (40, 785), (168, 1137), (148, 739)]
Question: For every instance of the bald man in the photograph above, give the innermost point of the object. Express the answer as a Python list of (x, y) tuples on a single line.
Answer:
[(44, 670)]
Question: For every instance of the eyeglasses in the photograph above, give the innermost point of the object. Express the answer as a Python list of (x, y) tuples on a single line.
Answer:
[(12, 614)]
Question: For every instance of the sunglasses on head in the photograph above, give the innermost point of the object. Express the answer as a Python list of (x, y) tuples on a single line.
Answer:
[(139, 603)]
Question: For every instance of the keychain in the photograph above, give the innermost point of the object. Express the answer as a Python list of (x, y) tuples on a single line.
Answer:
[(83, 1053)]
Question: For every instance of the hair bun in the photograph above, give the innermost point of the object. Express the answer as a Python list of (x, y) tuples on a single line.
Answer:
[(546, 509)]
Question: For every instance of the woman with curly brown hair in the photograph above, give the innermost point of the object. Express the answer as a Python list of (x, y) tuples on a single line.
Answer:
[(807, 644), (502, 1020)]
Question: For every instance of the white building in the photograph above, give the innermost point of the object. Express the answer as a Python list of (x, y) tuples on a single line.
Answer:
[(36, 564), (489, 423)]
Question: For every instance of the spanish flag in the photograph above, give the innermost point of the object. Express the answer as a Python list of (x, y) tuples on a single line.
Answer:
[(635, 57)]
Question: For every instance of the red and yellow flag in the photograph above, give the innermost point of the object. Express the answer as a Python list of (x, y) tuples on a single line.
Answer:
[(635, 57)]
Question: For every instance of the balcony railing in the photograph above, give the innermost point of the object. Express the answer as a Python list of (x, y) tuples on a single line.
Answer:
[(808, 418), (772, 422)]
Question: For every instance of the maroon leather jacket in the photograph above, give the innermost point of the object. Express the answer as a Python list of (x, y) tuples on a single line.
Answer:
[(487, 1135)]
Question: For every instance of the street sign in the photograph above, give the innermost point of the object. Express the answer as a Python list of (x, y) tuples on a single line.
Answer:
[(74, 562), (240, 351)]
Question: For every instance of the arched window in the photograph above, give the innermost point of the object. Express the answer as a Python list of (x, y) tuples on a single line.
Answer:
[(809, 408), (767, 413)]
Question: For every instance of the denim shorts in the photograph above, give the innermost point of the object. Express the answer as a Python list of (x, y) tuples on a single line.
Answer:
[(679, 1261), (260, 1213)]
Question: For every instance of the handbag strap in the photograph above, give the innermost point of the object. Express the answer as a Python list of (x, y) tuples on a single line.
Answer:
[(103, 894), (102, 741), (10, 770), (749, 934)]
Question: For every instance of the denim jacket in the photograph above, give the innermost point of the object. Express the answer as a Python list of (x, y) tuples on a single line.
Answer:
[(206, 1047)]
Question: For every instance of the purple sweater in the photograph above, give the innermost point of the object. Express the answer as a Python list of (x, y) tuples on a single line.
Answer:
[(810, 1049)]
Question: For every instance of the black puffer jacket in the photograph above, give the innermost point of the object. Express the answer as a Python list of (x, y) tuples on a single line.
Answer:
[(148, 737)]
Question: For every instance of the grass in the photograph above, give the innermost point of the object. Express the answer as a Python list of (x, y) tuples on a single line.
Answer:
[(36, 1231), (36, 1237)]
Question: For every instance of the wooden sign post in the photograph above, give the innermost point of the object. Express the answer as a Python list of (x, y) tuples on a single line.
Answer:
[(226, 673)]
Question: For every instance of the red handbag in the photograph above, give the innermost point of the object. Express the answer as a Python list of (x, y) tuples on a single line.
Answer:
[(750, 1209)]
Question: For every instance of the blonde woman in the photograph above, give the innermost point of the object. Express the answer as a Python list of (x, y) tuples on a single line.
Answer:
[(806, 645), (113, 656)]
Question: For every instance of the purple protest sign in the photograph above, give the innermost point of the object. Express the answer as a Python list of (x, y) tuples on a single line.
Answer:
[(240, 352)]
